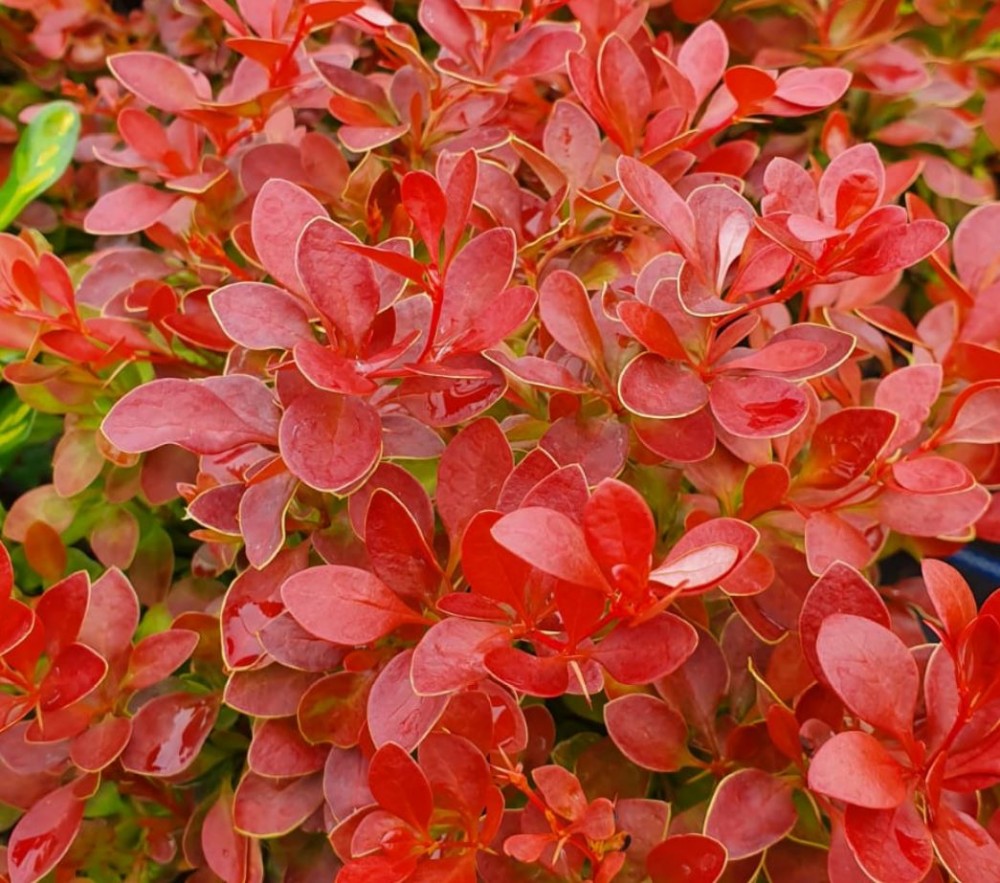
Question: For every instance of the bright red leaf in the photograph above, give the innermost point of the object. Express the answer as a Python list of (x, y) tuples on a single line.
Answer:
[(344, 605)]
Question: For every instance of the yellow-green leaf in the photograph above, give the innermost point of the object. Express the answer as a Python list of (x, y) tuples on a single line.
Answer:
[(41, 156)]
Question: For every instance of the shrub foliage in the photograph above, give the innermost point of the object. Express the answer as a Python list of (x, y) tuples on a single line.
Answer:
[(475, 432)]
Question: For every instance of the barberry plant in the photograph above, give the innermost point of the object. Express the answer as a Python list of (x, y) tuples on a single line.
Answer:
[(473, 435)]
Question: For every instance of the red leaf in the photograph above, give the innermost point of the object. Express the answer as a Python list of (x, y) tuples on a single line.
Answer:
[(659, 201), (281, 212), (750, 86), (45, 551), (533, 468), (471, 473), (684, 439), (425, 203), (897, 247), (851, 186), (651, 386), (330, 442), (640, 654), (396, 263), (972, 245), (687, 858), (458, 773), (341, 283), (527, 848), (813, 87), (398, 551), (167, 734), (489, 568), (580, 610), (227, 852), (698, 569), (976, 416), (707, 554), (794, 862), (460, 191), (44, 834), (619, 529), (932, 475), (830, 538), (115, 539), (400, 786), (499, 320), (273, 691), (128, 209), (402, 485), (953, 601), (345, 782), (253, 600), (561, 790), (747, 833), (475, 280), (536, 372), (278, 750), (450, 655), (909, 393), (265, 807), (206, 417), (702, 58), (396, 713), (979, 657), (598, 446), (452, 391), (871, 670), (550, 541), (757, 407), (259, 316), (890, 844), (112, 616), (564, 491), (785, 357), (572, 141), (841, 862), (101, 744), (76, 671), (262, 516), (155, 657), (62, 610), (291, 645), (966, 850), (327, 369), (450, 26), (624, 85), (38, 504), (158, 80), (536, 675), (378, 868), (840, 590), (855, 768), (344, 605), (652, 330), (333, 709), (565, 311), (17, 621), (647, 731), (845, 445), (937, 515), (6, 574)]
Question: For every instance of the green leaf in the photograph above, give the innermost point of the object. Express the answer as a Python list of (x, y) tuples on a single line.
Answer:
[(106, 802), (41, 156), (16, 418)]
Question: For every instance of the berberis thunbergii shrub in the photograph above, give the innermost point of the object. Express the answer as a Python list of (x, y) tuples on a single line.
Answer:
[(475, 428)]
